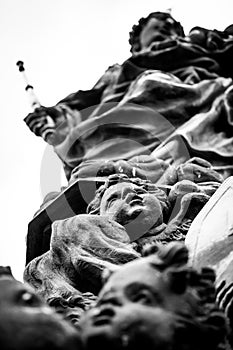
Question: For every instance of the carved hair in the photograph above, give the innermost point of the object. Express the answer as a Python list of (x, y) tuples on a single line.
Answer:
[(210, 320), (5, 271), (94, 205), (137, 28)]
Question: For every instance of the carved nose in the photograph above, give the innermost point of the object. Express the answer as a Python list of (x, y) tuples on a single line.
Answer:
[(132, 196), (110, 300), (127, 191), (106, 311), (103, 315)]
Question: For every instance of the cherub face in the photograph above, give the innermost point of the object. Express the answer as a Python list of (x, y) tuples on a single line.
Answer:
[(27, 323), (136, 308), (124, 202), (157, 30)]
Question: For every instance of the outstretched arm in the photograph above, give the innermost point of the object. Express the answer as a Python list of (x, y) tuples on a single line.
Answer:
[(53, 123)]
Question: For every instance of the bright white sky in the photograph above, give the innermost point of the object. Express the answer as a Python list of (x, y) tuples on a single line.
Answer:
[(66, 45)]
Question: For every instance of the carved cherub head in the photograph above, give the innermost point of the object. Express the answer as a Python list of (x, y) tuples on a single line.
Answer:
[(156, 302), (136, 204), (27, 323), (156, 27)]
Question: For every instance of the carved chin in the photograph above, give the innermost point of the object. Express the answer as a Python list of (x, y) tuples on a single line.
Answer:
[(143, 214), (130, 340), (123, 217)]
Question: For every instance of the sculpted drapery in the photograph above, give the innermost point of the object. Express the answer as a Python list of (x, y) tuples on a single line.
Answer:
[(178, 93)]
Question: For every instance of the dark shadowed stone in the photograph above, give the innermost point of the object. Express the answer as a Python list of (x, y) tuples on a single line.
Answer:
[(156, 302)]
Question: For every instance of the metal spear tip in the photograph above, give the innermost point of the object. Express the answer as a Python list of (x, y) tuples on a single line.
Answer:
[(20, 65)]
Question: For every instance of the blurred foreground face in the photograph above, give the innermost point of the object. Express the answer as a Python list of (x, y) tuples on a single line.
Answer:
[(27, 323), (136, 309)]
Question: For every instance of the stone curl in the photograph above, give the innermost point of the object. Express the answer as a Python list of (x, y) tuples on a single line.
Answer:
[(94, 206), (137, 28)]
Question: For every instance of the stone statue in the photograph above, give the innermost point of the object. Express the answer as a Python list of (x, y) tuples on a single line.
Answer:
[(125, 215), (68, 276), (210, 242), (27, 323), (156, 302), (171, 98), (195, 175), (159, 128), (137, 204), (146, 211)]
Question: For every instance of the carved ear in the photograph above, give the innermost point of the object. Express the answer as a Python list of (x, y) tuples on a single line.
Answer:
[(178, 280), (5, 270)]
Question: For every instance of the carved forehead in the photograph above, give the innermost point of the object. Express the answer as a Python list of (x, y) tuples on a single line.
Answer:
[(155, 19), (123, 180), (143, 270), (121, 186), (125, 184)]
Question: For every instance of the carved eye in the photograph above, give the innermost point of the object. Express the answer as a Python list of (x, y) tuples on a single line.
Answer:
[(198, 174), (112, 200), (142, 297), (28, 299)]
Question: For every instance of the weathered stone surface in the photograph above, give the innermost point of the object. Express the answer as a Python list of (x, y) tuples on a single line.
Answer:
[(169, 102), (210, 236), (157, 301), (81, 247), (28, 323), (76, 197), (125, 215), (172, 98), (210, 241)]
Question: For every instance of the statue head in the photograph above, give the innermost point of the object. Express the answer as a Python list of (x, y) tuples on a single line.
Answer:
[(156, 27), (156, 302), (27, 322), (130, 200)]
